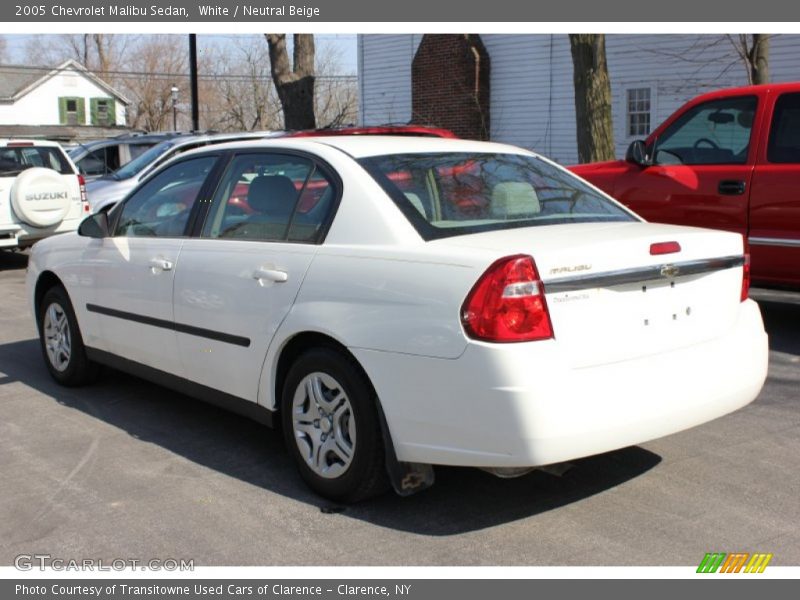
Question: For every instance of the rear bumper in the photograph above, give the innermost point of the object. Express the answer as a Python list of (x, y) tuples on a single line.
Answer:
[(15, 235), (522, 405)]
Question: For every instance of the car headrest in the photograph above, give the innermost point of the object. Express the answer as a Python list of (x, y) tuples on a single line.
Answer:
[(274, 195), (745, 119), (512, 199), (416, 202)]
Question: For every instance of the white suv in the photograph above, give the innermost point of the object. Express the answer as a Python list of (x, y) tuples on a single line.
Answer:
[(41, 192)]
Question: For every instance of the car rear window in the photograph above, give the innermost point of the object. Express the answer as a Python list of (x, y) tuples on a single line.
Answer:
[(449, 194), (15, 159), (138, 164)]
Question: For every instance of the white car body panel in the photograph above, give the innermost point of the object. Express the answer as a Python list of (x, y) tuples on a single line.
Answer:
[(217, 285), (525, 405), (626, 365), (127, 277)]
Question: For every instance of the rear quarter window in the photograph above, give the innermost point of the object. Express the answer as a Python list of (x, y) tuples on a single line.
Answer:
[(15, 159), (784, 136)]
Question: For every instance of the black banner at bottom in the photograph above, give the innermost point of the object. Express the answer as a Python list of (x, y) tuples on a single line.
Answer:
[(396, 589)]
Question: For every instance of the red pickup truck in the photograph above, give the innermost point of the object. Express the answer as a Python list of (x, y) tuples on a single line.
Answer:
[(726, 160)]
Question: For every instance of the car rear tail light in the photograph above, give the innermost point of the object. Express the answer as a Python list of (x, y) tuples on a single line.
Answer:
[(664, 248), (746, 272), (84, 197), (507, 304)]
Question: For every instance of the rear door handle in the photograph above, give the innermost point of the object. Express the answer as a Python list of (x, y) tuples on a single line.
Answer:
[(160, 264), (263, 274), (731, 187)]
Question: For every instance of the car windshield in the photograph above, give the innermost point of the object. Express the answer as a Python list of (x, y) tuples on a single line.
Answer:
[(449, 194), (15, 159), (138, 164)]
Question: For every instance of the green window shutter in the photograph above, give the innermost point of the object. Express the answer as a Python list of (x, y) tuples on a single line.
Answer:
[(62, 110), (81, 111), (112, 112), (109, 118)]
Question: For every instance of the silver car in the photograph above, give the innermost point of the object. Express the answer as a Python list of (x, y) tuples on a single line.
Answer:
[(106, 191)]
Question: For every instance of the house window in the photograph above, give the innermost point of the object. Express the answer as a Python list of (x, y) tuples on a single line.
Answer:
[(71, 111), (103, 112), (638, 112)]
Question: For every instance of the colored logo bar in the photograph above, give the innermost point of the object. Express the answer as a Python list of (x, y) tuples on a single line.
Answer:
[(735, 562)]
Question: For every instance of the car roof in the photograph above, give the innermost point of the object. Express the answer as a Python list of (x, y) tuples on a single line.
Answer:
[(361, 146), (789, 86), (405, 130), (129, 139), (21, 142), (219, 138)]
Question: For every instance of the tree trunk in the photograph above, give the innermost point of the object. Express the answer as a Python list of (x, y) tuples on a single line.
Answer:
[(294, 84), (594, 124), (759, 59)]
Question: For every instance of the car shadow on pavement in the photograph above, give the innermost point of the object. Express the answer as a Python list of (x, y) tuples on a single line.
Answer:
[(13, 261), (462, 499), (782, 322)]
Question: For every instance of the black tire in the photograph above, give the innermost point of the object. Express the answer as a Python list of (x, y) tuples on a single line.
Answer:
[(365, 476), (76, 369)]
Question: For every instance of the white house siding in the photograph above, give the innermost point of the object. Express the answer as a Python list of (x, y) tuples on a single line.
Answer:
[(532, 97), (384, 72), (40, 105)]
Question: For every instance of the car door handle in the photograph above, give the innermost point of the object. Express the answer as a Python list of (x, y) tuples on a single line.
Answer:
[(263, 274), (731, 187), (161, 264)]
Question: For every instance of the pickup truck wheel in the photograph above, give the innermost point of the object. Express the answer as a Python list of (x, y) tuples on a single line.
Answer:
[(331, 427), (61, 341)]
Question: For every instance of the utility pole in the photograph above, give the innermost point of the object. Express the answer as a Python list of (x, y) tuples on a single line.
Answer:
[(193, 77)]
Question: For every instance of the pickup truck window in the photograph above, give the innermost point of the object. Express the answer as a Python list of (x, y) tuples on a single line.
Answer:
[(784, 136), (712, 133)]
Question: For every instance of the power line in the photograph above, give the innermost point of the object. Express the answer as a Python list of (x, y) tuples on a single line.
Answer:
[(120, 74)]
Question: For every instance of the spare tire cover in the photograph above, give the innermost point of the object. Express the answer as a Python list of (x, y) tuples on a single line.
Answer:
[(40, 197)]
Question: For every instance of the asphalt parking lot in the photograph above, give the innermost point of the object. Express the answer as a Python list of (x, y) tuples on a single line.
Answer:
[(126, 469)]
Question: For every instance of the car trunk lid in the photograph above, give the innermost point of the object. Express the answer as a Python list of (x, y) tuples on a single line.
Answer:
[(610, 299)]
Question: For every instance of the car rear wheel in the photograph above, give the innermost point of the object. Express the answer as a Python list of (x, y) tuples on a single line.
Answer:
[(61, 341), (331, 426)]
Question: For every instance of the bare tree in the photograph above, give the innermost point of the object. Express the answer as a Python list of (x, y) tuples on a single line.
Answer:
[(294, 82), (103, 54), (238, 94), (594, 124), (335, 93), (753, 50), (156, 60)]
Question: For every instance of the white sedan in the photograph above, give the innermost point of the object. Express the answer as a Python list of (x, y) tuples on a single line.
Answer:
[(398, 303)]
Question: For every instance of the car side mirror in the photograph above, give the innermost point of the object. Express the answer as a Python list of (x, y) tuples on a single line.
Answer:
[(637, 154), (95, 226)]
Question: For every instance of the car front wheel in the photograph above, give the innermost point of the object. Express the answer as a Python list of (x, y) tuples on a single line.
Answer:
[(331, 426), (61, 341)]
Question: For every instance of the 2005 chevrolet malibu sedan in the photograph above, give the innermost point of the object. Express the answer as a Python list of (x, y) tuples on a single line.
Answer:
[(398, 303)]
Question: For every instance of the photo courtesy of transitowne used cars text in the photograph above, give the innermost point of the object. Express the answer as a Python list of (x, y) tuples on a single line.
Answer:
[(398, 303)]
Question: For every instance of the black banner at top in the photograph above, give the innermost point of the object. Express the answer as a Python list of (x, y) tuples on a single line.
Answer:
[(474, 11)]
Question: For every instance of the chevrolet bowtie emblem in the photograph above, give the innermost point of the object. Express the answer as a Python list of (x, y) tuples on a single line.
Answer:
[(669, 271)]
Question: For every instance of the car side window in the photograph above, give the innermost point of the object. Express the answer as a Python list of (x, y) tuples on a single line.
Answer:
[(712, 133), (270, 197), (161, 207), (784, 135)]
